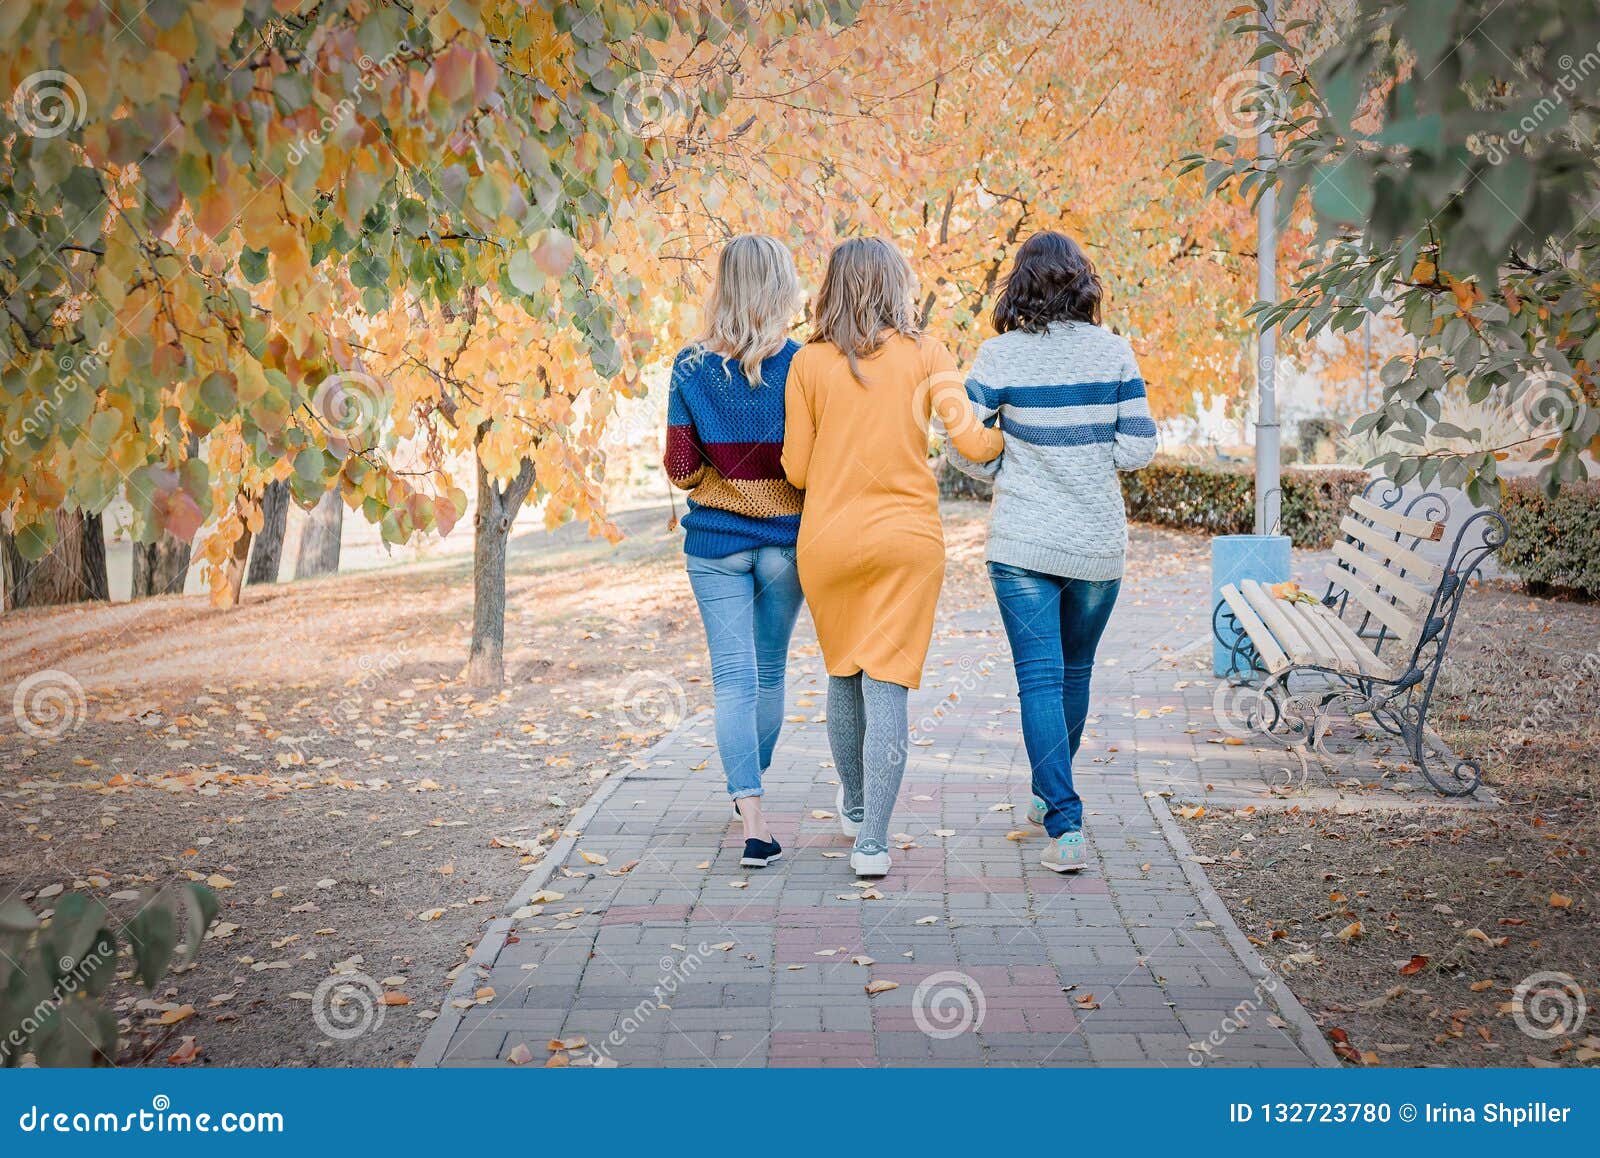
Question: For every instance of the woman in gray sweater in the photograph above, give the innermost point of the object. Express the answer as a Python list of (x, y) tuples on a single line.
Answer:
[(1072, 404)]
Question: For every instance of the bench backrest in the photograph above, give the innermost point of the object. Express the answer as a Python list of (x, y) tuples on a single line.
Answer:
[(1384, 583), (1387, 589)]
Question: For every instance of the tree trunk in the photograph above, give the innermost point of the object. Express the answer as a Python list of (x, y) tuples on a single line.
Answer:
[(491, 531), (268, 547), (319, 541), (160, 568), (74, 570)]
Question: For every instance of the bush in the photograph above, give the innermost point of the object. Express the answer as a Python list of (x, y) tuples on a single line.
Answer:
[(1555, 542), (1216, 499), (1221, 499), (54, 973)]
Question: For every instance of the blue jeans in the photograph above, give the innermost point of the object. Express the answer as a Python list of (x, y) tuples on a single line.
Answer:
[(1054, 626), (748, 601)]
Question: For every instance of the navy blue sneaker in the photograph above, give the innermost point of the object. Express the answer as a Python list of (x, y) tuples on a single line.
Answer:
[(760, 853)]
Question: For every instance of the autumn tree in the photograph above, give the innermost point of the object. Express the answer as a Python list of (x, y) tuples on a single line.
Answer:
[(230, 204), (1448, 153)]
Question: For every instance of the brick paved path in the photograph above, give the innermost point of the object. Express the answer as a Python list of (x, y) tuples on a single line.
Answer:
[(686, 959)]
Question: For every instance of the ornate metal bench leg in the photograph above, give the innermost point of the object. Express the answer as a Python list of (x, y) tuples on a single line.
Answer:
[(1452, 775)]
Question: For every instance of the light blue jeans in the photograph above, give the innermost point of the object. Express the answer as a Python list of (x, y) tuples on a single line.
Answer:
[(748, 601)]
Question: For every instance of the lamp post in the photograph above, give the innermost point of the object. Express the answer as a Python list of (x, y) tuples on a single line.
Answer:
[(1265, 555), (1268, 495)]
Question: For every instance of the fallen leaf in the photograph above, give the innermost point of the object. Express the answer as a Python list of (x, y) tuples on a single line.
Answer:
[(1416, 965), (875, 987)]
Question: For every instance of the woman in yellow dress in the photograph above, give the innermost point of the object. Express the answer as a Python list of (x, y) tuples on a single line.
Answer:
[(860, 397)]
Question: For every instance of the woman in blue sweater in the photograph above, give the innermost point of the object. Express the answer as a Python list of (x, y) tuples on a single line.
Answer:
[(1071, 399), (724, 446)]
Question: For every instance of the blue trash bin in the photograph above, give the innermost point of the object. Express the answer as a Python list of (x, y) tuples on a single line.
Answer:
[(1234, 558)]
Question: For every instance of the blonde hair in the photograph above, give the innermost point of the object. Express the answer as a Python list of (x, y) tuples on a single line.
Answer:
[(752, 302), (867, 289)]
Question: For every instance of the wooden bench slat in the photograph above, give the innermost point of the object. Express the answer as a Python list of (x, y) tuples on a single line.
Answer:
[(1402, 625), (1387, 581), (1369, 663), (1307, 619), (1395, 521), (1271, 609), (1266, 646), (1378, 543)]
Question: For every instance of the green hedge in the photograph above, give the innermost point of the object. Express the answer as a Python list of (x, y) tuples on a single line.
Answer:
[(1217, 499), (1555, 542), (1221, 499)]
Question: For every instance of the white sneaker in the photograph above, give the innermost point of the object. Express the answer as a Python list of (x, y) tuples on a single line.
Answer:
[(846, 825), (1066, 854), (1036, 812), (870, 864)]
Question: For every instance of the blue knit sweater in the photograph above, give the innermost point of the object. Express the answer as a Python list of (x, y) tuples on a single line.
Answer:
[(725, 447)]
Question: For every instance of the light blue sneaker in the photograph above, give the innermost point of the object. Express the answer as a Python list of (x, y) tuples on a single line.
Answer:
[(1067, 853), (1036, 812)]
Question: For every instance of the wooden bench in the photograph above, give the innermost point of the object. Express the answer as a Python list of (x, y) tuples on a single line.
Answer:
[(1376, 638)]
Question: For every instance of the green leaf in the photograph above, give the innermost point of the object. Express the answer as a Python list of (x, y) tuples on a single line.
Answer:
[(153, 932), (200, 903), (1342, 192)]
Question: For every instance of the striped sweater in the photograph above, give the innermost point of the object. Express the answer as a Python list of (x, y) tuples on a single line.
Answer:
[(1073, 409), (725, 446)]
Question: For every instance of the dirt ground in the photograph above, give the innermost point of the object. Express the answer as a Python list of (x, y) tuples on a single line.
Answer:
[(315, 757), (1408, 935)]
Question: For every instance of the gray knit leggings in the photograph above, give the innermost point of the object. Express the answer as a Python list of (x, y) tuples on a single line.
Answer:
[(867, 732)]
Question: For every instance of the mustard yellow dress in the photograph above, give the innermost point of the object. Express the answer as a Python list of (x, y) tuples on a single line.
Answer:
[(871, 547)]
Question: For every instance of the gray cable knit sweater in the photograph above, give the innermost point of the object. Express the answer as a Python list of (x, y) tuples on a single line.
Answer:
[(1073, 409)]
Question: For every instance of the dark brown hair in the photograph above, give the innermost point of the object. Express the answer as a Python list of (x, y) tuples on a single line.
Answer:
[(1051, 280)]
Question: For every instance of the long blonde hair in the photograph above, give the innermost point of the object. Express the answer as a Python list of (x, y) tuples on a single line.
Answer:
[(752, 302), (867, 290)]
